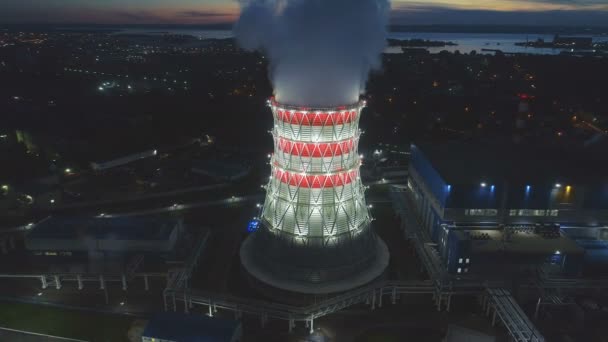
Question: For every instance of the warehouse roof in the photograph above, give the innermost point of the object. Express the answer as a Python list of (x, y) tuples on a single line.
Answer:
[(116, 228), (519, 243)]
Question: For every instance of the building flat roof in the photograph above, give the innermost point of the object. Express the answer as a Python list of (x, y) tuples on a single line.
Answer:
[(101, 228), (459, 162), (523, 243), (190, 328)]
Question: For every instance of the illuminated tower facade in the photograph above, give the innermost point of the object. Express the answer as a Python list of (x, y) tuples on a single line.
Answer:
[(315, 234)]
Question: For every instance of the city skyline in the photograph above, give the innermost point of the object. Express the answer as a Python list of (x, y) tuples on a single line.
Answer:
[(414, 12)]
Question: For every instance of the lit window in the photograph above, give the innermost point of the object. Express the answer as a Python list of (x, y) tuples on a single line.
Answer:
[(460, 261), (468, 261), (481, 212), (459, 270), (531, 212), (513, 212)]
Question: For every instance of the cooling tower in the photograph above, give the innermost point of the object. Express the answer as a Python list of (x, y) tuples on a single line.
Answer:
[(315, 234)]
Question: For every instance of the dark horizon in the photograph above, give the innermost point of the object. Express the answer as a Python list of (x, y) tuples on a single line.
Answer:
[(427, 28)]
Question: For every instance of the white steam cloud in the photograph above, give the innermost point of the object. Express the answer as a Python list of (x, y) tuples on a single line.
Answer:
[(321, 51)]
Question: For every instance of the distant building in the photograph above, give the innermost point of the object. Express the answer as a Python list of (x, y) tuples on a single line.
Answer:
[(573, 42), (175, 327), (121, 161), (526, 205)]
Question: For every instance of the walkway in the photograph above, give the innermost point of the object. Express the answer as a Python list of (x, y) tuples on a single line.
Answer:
[(512, 316), (372, 294), (505, 307)]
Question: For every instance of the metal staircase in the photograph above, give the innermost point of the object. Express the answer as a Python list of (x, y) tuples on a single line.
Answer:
[(505, 307), (133, 265), (177, 278), (512, 316)]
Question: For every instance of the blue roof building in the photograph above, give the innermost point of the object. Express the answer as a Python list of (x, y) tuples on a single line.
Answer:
[(518, 202), (105, 234), (176, 327)]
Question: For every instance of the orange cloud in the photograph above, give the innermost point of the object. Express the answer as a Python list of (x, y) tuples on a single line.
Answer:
[(502, 5)]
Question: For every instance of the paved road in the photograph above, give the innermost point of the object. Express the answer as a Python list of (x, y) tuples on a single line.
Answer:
[(25, 336), (234, 200), (144, 197)]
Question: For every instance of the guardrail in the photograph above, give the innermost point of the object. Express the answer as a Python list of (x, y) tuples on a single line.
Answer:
[(515, 320), (177, 280), (512, 316), (372, 294)]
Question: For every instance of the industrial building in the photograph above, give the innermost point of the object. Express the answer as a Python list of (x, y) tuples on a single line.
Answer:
[(315, 234), (511, 206), (101, 249), (103, 235), (101, 245)]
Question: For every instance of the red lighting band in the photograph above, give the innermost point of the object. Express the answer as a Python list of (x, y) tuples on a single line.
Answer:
[(316, 119), (316, 181), (316, 150)]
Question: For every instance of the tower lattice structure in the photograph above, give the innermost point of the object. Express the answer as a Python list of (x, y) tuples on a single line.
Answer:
[(315, 234)]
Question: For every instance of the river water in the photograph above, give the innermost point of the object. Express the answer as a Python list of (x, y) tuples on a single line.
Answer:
[(466, 42)]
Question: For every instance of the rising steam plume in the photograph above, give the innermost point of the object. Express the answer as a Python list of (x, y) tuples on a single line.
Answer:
[(321, 51)]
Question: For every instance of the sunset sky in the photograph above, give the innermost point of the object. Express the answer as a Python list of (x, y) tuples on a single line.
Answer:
[(520, 12)]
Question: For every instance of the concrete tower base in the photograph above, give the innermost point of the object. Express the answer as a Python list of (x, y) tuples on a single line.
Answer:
[(280, 262)]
